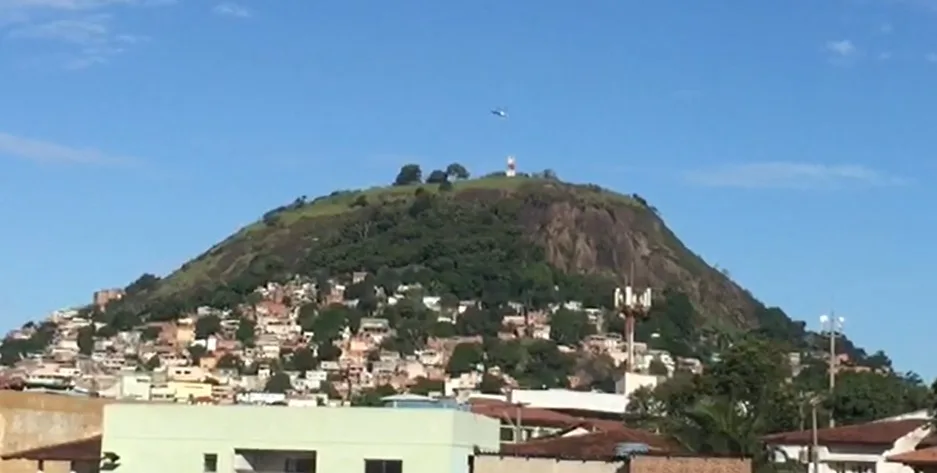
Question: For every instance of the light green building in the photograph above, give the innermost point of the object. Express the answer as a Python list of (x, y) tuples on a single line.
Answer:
[(156, 438)]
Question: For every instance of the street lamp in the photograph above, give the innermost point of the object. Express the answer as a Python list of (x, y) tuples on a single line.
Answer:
[(832, 325)]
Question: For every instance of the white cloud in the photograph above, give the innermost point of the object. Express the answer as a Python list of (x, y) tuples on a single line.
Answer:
[(47, 152), (232, 10), (791, 175), (82, 31), (842, 48), (841, 52), (85, 31)]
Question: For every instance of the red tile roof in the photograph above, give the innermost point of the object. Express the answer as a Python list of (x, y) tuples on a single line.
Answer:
[(528, 415), (596, 445), (84, 449), (873, 433), (923, 457)]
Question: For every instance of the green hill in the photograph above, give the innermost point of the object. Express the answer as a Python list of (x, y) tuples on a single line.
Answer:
[(524, 238)]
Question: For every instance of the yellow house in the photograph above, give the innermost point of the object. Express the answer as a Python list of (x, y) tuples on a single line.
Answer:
[(188, 391), (186, 374)]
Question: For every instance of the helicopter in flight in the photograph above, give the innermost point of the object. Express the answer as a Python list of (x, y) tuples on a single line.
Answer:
[(499, 112)]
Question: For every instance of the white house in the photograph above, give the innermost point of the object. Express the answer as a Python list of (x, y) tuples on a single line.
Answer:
[(862, 448)]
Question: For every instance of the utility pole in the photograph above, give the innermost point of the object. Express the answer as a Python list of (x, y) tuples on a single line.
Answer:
[(815, 445), (833, 325)]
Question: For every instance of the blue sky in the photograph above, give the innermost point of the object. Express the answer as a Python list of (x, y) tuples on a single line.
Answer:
[(787, 142)]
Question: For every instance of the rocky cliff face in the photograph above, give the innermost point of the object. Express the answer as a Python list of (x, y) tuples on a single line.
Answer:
[(631, 241)]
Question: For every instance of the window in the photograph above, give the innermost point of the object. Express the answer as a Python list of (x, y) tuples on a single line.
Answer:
[(507, 433), (383, 466), (852, 467), (300, 465), (210, 462)]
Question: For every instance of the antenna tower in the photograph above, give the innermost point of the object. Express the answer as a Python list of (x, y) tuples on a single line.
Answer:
[(632, 303)]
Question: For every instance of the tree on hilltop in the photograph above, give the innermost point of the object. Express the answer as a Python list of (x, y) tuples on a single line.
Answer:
[(409, 174), (457, 171), (437, 177)]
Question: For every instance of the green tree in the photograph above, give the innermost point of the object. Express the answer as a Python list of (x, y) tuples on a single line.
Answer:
[(465, 358), (645, 409), (878, 361), (150, 333), (491, 384), (86, 339), (328, 323), (328, 351), (597, 373), (730, 408), (437, 177), (424, 386), (449, 301), (658, 368), (279, 382), (752, 370), (718, 426), (478, 321), (569, 327), (457, 171), (372, 397), (207, 325), (145, 282), (245, 332), (368, 305), (543, 366), (409, 174), (866, 396), (360, 289), (303, 360)]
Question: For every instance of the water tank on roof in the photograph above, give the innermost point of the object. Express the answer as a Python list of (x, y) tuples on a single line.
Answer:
[(629, 449), (412, 401)]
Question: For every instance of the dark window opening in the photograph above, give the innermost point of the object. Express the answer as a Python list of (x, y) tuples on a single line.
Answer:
[(301, 465), (210, 462), (383, 466)]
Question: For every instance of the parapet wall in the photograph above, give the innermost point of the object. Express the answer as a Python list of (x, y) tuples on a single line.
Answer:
[(655, 464), (30, 420)]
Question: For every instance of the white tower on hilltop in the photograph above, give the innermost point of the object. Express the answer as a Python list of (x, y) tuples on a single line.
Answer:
[(512, 167)]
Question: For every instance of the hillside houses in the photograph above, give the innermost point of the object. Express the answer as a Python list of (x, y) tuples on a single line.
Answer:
[(213, 354)]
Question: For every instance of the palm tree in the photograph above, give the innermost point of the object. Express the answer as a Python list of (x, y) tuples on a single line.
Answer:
[(719, 426)]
